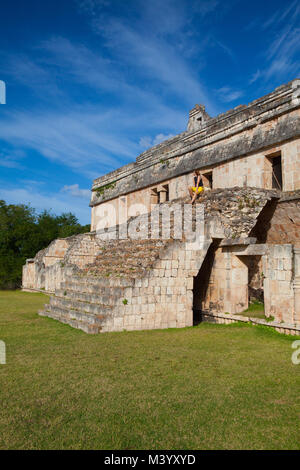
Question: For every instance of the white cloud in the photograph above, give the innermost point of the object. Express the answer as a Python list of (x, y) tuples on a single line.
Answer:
[(145, 46), (11, 159), (147, 142), (227, 94), (92, 139), (281, 54), (74, 190), (255, 77), (158, 60), (8, 162)]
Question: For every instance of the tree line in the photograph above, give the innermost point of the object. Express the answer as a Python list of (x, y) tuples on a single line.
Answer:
[(23, 232)]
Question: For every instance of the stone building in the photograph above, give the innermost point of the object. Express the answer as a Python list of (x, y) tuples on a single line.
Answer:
[(248, 246)]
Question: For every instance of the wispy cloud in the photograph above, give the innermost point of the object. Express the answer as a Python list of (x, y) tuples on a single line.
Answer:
[(11, 158), (255, 77), (283, 45), (145, 46), (75, 191), (227, 94), (280, 15), (147, 142), (145, 86), (92, 138), (282, 52)]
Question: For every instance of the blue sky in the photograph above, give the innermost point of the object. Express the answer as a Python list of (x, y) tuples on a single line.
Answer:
[(93, 83)]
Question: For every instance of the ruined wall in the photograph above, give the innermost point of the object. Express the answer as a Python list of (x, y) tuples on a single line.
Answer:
[(54, 275), (291, 165), (47, 270), (55, 252), (227, 289), (279, 221), (82, 251), (29, 275), (285, 223), (278, 285)]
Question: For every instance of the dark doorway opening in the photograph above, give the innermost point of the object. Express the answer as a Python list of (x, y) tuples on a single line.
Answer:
[(276, 172), (202, 282), (208, 179), (255, 278), (166, 187)]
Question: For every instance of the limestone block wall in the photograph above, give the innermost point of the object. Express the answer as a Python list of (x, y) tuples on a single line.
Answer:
[(281, 222), (82, 251), (227, 290), (256, 169), (164, 297), (278, 283), (274, 273), (111, 210), (46, 270), (54, 276), (296, 284), (291, 165), (56, 251), (28, 275)]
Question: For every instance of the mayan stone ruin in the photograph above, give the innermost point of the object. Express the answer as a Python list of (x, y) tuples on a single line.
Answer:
[(247, 247)]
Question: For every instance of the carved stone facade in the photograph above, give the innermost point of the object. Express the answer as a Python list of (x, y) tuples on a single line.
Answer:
[(249, 158)]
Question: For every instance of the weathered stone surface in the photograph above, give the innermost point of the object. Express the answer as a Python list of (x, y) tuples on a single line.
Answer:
[(239, 132), (248, 248)]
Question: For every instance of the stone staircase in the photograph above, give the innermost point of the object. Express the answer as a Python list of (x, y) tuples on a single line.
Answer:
[(148, 283), (86, 302), (126, 257), (93, 295)]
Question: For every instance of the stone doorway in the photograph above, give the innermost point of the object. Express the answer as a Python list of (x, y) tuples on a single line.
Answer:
[(202, 282), (255, 282)]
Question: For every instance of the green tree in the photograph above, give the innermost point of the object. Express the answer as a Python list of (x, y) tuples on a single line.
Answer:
[(23, 233)]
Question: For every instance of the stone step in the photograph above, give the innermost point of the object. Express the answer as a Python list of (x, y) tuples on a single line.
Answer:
[(90, 328), (130, 249), (119, 260), (118, 271), (80, 306), (98, 282), (109, 296), (91, 290), (64, 313)]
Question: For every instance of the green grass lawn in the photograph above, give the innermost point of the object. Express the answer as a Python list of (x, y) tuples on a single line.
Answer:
[(207, 387), (255, 310)]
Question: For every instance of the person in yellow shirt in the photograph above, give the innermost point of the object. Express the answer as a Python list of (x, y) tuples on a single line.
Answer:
[(198, 186)]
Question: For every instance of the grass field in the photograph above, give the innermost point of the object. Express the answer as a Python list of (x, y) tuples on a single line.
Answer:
[(255, 310), (207, 387)]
